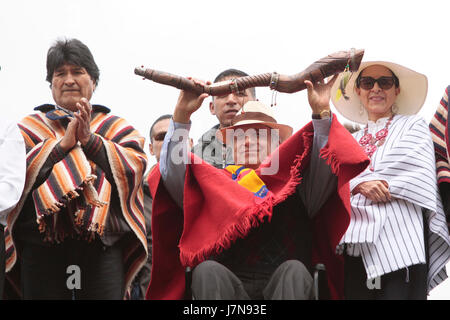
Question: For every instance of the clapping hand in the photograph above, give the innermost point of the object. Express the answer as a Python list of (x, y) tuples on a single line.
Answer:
[(83, 115), (78, 128)]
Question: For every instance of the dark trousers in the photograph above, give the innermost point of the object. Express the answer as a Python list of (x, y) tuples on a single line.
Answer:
[(50, 272), (404, 284), (2, 261), (213, 281)]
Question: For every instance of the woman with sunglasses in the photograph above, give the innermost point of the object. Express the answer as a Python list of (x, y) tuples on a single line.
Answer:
[(397, 242)]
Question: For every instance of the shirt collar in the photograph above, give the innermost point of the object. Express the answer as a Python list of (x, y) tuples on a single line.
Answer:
[(372, 125)]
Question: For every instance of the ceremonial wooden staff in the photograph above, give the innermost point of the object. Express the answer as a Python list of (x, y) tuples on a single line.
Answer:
[(332, 64)]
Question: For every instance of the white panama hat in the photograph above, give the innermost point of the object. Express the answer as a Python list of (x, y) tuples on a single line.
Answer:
[(413, 91)]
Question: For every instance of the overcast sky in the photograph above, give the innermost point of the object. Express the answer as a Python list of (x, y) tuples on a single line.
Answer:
[(203, 38)]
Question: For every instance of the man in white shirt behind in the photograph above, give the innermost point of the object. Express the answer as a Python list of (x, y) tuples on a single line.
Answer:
[(12, 179)]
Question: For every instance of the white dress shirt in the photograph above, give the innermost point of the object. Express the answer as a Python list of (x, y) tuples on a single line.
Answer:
[(12, 167)]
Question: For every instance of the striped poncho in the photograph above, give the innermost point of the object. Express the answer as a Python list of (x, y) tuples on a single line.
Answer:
[(439, 134), (80, 187), (390, 236)]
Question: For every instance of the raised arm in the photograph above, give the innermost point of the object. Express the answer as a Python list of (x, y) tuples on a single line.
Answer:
[(172, 162), (318, 181)]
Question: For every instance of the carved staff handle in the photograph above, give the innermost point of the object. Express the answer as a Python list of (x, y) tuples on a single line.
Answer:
[(330, 65)]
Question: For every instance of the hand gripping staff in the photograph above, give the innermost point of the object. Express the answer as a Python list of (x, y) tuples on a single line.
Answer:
[(332, 64)]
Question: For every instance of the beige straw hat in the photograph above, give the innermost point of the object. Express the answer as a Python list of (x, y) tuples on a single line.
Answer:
[(413, 91), (256, 112)]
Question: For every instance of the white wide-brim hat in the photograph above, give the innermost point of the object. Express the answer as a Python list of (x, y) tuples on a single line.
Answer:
[(255, 112), (413, 91)]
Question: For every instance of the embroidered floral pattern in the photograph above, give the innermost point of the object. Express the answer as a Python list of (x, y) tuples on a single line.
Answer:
[(369, 143)]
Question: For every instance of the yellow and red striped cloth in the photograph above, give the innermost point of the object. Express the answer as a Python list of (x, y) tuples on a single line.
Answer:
[(248, 178)]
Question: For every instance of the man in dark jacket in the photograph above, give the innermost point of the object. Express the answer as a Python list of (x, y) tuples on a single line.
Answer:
[(158, 131)]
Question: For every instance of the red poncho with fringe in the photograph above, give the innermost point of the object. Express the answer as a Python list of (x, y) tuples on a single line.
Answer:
[(217, 210)]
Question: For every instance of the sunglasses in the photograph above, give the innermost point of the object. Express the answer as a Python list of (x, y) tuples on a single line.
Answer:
[(384, 83), (160, 136)]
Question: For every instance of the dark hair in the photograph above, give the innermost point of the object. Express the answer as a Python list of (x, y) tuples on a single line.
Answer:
[(235, 73), (163, 117), (71, 51), (396, 81)]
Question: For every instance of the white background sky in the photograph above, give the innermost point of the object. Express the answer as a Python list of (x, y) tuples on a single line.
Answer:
[(203, 38)]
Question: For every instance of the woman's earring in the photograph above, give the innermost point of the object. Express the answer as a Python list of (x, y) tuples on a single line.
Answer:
[(361, 109), (394, 108)]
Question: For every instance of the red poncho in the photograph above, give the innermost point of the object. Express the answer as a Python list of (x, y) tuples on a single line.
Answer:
[(217, 210)]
